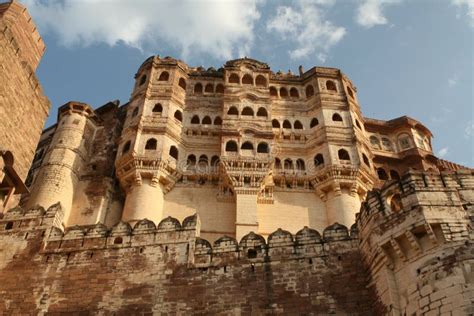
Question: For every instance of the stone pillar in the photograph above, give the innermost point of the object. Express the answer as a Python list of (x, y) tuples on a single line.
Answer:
[(246, 215), (144, 200), (341, 206), (58, 176)]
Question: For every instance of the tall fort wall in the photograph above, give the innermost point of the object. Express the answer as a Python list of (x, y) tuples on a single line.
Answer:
[(23, 105), (411, 257)]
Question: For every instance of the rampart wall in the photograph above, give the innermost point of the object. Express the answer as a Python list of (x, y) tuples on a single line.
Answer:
[(170, 269)]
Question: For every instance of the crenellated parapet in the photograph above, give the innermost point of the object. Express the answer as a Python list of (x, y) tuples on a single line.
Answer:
[(412, 229)]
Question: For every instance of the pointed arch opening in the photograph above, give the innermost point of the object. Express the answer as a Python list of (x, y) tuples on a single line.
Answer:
[(247, 79), (209, 88), (231, 146), (182, 83), (336, 117), (260, 81), (206, 120), (217, 121), (247, 111), (314, 123), (273, 92), (151, 144), (174, 152), (158, 108), (298, 125), (164, 76), (343, 155), (286, 124), (220, 88), (275, 123), (262, 112), (247, 146), (233, 111), (331, 86), (198, 88), (195, 120), (294, 93), (234, 78), (318, 160), (178, 115)]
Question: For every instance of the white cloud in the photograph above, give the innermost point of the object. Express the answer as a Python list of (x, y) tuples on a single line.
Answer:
[(443, 152), (469, 130), (370, 12), (469, 5), (306, 26), (220, 28), (452, 81)]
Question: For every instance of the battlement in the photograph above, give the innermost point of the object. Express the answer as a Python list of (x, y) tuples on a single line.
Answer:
[(336, 239)]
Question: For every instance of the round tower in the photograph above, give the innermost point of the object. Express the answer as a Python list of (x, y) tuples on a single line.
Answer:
[(58, 176), (149, 148)]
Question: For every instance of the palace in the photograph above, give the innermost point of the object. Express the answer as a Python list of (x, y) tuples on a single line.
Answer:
[(235, 190)]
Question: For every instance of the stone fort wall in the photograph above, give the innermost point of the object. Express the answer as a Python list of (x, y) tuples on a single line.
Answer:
[(411, 255), (23, 105)]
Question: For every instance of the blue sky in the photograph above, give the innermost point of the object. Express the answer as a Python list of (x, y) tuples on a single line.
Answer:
[(406, 57)]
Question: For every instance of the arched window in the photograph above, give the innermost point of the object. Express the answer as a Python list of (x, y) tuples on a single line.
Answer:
[(247, 111), (358, 124), (219, 88), (288, 164), (135, 112), (331, 85), (300, 165), (382, 174), (178, 115), (343, 154), (318, 160), (286, 124), (261, 81), (209, 88), (387, 144), (394, 175), (263, 148), (198, 88), (350, 93), (298, 125), (206, 120), (234, 78), (142, 80), (275, 123), (366, 160), (396, 203), (247, 146), (126, 147), (191, 160), (404, 141), (164, 76), (174, 152), (231, 146), (247, 79), (314, 122), (158, 108), (217, 121), (262, 112), (294, 93), (374, 142), (309, 91), (215, 161), (203, 161), (182, 83), (277, 163), (151, 144), (233, 111), (336, 117), (283, 93), (273, 92), (195, 119)]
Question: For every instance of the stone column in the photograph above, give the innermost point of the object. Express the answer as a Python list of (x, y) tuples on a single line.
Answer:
[(144, 200), (341, 206), (246, 215)]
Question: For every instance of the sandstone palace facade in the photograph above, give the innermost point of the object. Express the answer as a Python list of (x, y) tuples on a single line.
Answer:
[(235, 190)]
